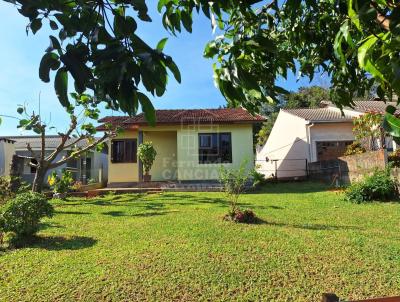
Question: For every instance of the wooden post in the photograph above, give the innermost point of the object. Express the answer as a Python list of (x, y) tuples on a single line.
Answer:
[(327, 297), (307, 172)]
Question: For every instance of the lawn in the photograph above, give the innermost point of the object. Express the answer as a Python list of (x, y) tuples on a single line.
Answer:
[(176, 247)]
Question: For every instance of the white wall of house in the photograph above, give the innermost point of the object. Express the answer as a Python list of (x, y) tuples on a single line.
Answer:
[(327, 132), (287, 148), (189, 167), (100, 166), (7, 150)]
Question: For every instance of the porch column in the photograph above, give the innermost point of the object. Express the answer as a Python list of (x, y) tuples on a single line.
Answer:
[(140, 165), (83, 168)]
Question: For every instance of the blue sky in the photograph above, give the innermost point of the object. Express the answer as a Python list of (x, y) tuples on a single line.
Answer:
[(20, 56)]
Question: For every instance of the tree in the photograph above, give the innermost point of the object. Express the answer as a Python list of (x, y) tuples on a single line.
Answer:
[(265, 131), (355, 42), (368, 131), (96, 43), (79, 129), (307, 97)]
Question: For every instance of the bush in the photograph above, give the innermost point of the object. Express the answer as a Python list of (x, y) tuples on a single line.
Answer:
[(22, 214), (147, 154), (246, 216), (61, 184), (377, 186), (258, 178), (394, 158), (355, 148), (10, 186), (76, 186), (234, 182)]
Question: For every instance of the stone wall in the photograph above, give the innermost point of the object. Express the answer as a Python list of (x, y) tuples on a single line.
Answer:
[(347, 169)]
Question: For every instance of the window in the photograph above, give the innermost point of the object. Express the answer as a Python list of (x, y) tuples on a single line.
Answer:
[(215, 148), (33, 169), (124, 151)]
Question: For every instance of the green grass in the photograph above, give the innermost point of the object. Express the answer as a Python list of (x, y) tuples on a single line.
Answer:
[(176, 247)]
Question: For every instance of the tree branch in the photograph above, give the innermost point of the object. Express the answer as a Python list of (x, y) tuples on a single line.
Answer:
[(79, 152), (383, 21), (64, 139), (74, 142), (28, 146), (43, 139)]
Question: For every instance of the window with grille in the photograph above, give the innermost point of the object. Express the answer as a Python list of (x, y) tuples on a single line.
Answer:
[(124, 151), (215, 148)]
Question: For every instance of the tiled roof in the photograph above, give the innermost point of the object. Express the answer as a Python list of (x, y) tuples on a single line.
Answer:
[(319, 114), (52, 141), (187, 116), (374, 106)]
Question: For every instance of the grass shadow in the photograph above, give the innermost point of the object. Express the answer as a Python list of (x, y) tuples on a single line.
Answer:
[(72, 213), (144, 214), (58, 243), (48, 225), (290, 187), (315, 227)]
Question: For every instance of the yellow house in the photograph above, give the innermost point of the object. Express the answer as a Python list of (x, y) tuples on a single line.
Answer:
[(191, 145)]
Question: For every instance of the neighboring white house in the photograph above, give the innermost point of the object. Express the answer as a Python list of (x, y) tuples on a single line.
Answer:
[(7, 150), (301, 136), (91, 166)]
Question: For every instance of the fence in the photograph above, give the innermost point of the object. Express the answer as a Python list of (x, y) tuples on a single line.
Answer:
[(283, 168)]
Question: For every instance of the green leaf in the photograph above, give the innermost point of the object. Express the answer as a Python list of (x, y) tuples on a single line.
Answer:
[(53, 25), (211, 50), (187, 21), (161, 4), (174, 69), (75, 64), (346, 33), (353, 15), (61, 87), (147, 108), (161, 44), (54, 45), (337, 47), (49, 61), (124, 26), (364, 49), (391, 123), (35, 25)]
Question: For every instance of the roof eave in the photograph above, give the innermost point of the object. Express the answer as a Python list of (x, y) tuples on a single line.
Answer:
[(330, 121)]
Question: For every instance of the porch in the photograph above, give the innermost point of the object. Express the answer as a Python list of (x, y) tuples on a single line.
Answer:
[(159, 187)]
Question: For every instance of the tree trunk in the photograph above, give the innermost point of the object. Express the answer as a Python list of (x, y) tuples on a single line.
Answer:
[(39, 179)]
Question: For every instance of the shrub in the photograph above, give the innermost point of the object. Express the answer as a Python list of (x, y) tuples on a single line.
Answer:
[(61, 184), (234, 182), (22, 214), (377, 186), (10, 186), (147, 154), (257, 178), (355, 148), (394, 158), (239, 216), (77, 186), (91, 181)]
